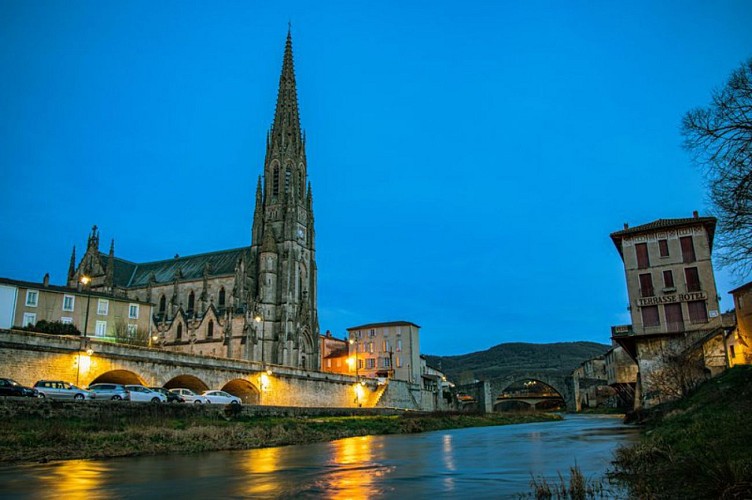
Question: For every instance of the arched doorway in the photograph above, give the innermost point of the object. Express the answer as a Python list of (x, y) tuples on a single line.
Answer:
[(243, 389)]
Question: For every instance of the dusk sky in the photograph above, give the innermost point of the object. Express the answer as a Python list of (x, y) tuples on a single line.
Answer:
[(468, 159)]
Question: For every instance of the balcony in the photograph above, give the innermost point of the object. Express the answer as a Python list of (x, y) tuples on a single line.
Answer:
[(694, 287)]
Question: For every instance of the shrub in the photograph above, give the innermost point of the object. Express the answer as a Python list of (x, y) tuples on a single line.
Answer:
[(53, 327)]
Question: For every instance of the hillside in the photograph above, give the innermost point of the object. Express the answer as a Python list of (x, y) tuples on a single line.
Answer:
[(515, 357)]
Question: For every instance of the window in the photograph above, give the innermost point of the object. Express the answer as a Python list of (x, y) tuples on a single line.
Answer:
[(133, 311), (360, 364), (643, 261), (162, 304), (650, 316), (399, 361), (101, 328), (399, 345), (131, 330), (688, 249), (733, 352), (191, 301), (372, 333), (698, 313), (646, 285), (222, 298), (371, 363), (210, 329), (179, 332), (29, 319), (674, 319), (385, 363), (370, 347), (69, 302), (287, 180), (103, 307), (663, 247), (32, 298), (328, 363), (66, 320), (668, 279), (275, 181), (693, 279)]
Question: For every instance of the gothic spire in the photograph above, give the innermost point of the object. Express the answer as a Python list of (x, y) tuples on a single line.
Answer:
[(286, 126), (72, 266)]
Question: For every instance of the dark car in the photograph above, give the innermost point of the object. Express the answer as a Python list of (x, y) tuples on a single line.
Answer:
[(171, 396), (9, 387)]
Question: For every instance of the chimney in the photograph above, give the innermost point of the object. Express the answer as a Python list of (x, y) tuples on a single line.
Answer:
[(46, 280), (626, 226), (695, 214)]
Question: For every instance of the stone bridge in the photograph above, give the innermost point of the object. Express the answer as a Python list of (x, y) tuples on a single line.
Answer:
[(28, 357), (485, 392)]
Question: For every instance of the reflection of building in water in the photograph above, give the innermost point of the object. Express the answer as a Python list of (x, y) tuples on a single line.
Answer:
[(354, 474)]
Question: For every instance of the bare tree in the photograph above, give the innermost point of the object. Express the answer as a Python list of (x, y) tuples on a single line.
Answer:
[(678, 370), (720, 138)]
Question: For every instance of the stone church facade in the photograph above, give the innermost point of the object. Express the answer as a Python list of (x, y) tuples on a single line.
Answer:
[(258, 302)]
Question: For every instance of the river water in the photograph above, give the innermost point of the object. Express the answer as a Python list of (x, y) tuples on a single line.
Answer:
[(481, 462)]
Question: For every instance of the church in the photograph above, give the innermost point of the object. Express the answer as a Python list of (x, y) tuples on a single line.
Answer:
[(256, 303)]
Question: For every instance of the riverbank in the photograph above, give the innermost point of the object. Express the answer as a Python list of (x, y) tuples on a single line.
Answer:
[(181, 429), (698, 447)]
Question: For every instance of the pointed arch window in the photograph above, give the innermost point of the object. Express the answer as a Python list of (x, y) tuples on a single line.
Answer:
[(288, 178), (191, 302), (210, 330), (162, 304), (221, 301), (301, 183), (179, 332), (275, 181)]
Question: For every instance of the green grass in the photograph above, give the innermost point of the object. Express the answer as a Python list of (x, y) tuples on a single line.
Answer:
[(699, 447)]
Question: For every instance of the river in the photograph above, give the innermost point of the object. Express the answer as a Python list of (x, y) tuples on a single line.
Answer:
[(481, 462)]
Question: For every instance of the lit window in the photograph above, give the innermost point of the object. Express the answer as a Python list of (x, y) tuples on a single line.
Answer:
[(101, 329), (103, 307), (29, 319), (371, 363), (69, 302), (133, 311), (399, 361), (32, 298)]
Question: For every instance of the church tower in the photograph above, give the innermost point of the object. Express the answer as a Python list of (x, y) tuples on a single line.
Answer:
[(282, 266)]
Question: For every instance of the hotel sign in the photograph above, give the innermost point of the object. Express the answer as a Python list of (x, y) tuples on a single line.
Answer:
[(669, 299)]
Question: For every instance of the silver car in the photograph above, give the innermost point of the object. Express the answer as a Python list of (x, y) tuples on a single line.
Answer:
[(116, 392), (190, 396), (57, 389), (139, 393)]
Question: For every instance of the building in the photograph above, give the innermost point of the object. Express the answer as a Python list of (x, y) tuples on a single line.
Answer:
[(621, 375), (257, 302), (672, 296), (334, 354), (739, 341), (390, 349), (96, 314)]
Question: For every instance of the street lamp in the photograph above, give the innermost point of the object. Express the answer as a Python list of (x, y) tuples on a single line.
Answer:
[(352, 341), (85, 280), (358, 383)]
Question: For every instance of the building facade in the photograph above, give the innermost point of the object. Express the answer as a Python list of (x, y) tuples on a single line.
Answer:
[(672, 295), (257, 302), (334, 354), (739, 340), (390, 349), (94, 314)]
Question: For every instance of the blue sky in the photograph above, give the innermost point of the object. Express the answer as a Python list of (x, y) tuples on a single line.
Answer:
[(468, 160)]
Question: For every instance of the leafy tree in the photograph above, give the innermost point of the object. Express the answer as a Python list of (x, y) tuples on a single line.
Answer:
[(720, 138)]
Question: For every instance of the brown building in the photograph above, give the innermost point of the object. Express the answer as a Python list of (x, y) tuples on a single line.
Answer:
[(334, 354), (390, 349), (96, 314), (672, 295), (739, 342)]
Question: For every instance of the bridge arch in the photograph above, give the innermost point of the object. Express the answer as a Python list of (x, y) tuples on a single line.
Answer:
[(244, 389), (187, 382), (118, 377), (527, 397)]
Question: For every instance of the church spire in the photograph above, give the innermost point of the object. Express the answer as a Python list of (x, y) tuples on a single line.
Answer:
[(286, 126)]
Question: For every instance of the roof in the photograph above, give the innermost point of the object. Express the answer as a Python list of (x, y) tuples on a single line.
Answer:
[(133, 275), (742, 288), (69, 290), (379, 325), (659, 224)]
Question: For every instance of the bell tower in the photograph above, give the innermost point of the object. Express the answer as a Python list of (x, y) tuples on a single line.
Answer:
[(282, 272)]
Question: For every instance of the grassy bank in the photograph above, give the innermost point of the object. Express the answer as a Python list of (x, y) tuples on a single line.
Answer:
[(699, 447), (35, 439)]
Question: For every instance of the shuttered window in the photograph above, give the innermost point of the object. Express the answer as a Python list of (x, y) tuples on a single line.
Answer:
[(698, 312), (650, 316), (674, 319), (643, 261), (688, 249), (668, 279), (663, 247), (646, 285), (693, 279)]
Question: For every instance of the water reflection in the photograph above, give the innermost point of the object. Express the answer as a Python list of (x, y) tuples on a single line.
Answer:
[(74, 479), (260, 466)]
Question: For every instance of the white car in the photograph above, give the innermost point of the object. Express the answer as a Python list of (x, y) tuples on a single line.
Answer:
[(189, 396), (221, 397), (142, 394)]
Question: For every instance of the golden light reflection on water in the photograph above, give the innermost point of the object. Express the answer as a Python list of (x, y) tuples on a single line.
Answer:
[(261, 465), (74, 479), (354, 474), (449, 464)]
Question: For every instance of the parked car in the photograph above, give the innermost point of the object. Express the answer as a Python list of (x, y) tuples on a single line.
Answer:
[(9, 387), (221, 397), (189, 396), (171, 396), (116, 392), (57, 389), (141, 394)]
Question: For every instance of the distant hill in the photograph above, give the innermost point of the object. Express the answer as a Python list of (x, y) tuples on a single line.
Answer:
[(516, 357)]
